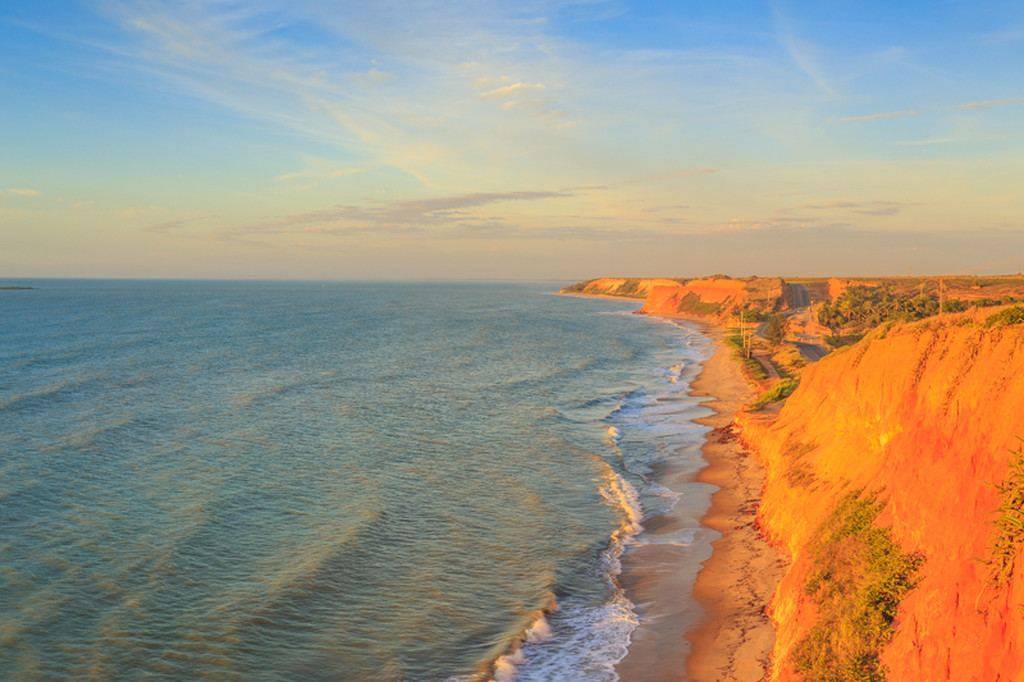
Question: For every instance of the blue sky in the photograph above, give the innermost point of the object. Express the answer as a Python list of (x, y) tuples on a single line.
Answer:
[(534, 139)]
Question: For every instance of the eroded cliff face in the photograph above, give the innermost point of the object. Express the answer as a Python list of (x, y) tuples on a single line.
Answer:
[(713, 297), (922, 418), (706, 297), (627, 287)]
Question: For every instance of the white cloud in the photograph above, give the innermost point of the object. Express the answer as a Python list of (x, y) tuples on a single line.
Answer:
[(990, 103), (880, 116), (24, 192), (511, 89), (805, 55)]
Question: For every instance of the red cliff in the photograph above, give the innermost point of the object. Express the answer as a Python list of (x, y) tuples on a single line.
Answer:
[(923, 420)]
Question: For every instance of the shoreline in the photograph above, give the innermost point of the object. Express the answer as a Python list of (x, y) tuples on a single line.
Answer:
[(734, 638), (723, 632)]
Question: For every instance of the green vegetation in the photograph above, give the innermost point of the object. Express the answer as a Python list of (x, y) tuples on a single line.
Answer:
[(751, 366), (989, 302), (860, 576), (1014, 315), (631, 288), (1010, 524), (691, 303), (577, 287), (864, 307), (779, 391), (798, 472), (775, 329), (754, 314), (840, 340)]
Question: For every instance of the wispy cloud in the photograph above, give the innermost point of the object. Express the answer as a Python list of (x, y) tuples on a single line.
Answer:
[(399, 216), (511, 89), (871, 208), (927, 142), (389, 84), (174, 225), (990, 103), (27, 192), (319, 174), (880, 116), (804, 54)]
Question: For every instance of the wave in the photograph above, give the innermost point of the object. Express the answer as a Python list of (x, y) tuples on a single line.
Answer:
[(612, 435), (591, 640), (282, 387), (506, 666), (675, 372), (55, 390), (629, 400)]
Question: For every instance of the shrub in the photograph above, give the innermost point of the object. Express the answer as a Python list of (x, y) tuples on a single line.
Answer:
[(1014, 315), (577, 286), (779, 391), (1010, 524), (860, 576), (837, 341), (631, 288), (775, 329), (691, 303)]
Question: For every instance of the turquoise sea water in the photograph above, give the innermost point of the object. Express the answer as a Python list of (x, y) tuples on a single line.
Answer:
[(328, 481)]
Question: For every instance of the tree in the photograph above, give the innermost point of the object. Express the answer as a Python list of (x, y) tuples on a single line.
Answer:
[(775, 329)]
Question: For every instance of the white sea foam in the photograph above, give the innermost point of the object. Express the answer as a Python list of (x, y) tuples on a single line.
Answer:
[(675, 372), (540, 631), (588, 641), (505, 668), (612, 434), (584, 641)]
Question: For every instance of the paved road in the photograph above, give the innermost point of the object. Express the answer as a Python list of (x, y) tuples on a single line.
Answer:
[(812, 351), (798, 296)]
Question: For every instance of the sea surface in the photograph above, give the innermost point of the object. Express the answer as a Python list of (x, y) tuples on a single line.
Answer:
[(243, 480)]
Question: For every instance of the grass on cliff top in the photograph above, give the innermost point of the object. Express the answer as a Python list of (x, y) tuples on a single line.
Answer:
[(779, 391), (751, 366), (692, 304), (1010, 524), (1014, 315), (858, 579)]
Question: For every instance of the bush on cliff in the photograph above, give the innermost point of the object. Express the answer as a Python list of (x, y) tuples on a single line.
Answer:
[(1010, 524), (779, 391), (776, 328), (693, 305), (1014, 315), (860, 576)]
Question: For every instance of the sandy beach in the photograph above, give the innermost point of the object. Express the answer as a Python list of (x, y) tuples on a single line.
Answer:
[(723, 633)]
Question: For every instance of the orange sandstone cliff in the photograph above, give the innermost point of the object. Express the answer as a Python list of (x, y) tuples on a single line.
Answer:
[(628, 287), (919, 423), (703, 297), (712, 296)]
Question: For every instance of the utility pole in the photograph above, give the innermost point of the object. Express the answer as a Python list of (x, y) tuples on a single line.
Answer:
[(745, 340)]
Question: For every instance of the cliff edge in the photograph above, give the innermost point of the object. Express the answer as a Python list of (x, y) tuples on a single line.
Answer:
[(895, 481)]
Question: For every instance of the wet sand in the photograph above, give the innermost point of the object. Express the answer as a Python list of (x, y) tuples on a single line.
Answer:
[(715, 628)]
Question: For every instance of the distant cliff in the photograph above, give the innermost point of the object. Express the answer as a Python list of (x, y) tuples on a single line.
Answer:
[(896, 483), (703, 297)]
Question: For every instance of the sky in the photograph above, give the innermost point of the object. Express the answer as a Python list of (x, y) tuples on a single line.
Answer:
[(538, 139)]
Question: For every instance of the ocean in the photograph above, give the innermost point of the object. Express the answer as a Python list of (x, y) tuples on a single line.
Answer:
[(356, 481)]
